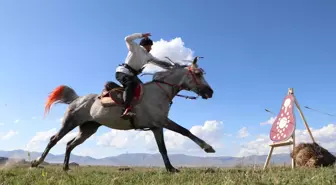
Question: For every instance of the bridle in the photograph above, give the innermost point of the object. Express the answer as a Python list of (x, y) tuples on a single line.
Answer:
[(191, 72)]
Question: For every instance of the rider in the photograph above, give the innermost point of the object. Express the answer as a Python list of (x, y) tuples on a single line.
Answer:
[(138, 56)]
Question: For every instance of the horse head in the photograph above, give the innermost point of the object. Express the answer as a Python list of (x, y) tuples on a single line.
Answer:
[(188, 77)]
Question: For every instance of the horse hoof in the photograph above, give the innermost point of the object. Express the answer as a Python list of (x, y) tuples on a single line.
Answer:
[(66, 169), (173, 170), (209, 149), (34, 164)]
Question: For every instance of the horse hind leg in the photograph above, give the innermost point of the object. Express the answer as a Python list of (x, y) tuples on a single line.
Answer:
[(86, 130), (67, 126)]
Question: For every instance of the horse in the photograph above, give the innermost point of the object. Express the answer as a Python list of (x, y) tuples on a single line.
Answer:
[(151, 104)]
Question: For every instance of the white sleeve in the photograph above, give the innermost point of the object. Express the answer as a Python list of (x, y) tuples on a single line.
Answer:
[(130, 40), (158, 62)]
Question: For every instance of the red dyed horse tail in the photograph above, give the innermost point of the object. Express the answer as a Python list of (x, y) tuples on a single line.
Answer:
[(61, 94)]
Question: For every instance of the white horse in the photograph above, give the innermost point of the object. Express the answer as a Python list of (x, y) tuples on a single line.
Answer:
[(91, 111)]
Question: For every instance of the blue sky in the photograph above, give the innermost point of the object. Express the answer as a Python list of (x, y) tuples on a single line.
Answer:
[(254, 51)]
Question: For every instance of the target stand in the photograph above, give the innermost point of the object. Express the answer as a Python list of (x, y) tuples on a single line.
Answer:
[(283, 128)]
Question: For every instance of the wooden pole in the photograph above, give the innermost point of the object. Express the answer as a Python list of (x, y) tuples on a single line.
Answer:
[(291, 91), (293, 146), (268, 157), (304, 119)]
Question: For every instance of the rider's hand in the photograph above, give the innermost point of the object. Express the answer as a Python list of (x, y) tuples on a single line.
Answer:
[(146, 35)]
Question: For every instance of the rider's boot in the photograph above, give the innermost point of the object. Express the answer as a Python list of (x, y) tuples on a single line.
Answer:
[(127, 112)]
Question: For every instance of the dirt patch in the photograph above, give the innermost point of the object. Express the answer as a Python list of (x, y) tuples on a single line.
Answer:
[(125, 169)]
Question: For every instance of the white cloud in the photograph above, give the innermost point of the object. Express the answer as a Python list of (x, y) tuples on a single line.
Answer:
[(131, 139), (42, 138), (35, 142), (256, 147), (243, 132), (174, 49), (67, 138), (324, 136), (268, 122), (211, 132), (111, 138), (16, 121), (86, 151), (8, 135)]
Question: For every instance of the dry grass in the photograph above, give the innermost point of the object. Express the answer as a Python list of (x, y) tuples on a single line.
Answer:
[(312, 155)]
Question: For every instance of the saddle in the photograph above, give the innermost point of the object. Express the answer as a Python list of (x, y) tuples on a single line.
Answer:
[(113, 94)]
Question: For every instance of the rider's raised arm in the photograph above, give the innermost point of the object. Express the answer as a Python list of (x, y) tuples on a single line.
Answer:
[(158, 62), (130, 40)]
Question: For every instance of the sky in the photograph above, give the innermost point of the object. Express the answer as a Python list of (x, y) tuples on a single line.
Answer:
[(253, 52)]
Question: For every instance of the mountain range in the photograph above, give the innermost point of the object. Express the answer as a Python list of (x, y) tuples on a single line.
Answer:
[(146, 160)]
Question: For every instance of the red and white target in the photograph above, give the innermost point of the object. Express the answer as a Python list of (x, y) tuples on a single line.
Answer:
[(284, 124)]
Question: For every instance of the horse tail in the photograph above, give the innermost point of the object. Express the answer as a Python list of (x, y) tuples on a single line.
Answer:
[(61, 94)]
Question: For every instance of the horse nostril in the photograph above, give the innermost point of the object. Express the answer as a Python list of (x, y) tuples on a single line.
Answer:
[(210, 90)]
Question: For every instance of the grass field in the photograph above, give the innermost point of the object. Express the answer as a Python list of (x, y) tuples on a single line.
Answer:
[(111, 175)]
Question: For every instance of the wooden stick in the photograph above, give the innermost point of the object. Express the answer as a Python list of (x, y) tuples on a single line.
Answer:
[(293, 146), (268, 157), (279, 144), (291, 91), (303, 118)]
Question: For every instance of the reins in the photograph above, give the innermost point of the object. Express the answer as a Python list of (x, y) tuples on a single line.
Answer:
[(158, 83)]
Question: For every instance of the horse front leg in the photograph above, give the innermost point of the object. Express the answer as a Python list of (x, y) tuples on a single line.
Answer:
[(158, 134), (171, 125)]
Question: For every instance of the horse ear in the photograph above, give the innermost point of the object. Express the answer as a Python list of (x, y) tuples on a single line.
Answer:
[(195, 61)]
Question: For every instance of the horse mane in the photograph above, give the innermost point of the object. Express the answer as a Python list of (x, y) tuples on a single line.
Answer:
[(160, 75)]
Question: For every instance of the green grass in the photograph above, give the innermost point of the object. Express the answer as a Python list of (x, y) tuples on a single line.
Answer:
[(111, 175)]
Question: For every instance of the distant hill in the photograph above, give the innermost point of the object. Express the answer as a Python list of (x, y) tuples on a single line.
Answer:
[(142, 159)]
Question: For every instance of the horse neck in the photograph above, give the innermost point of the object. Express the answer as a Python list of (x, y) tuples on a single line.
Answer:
[(165, 88), (169, 89)]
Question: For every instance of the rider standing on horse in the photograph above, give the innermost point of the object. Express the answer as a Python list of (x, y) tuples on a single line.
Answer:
[(138, 56)]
